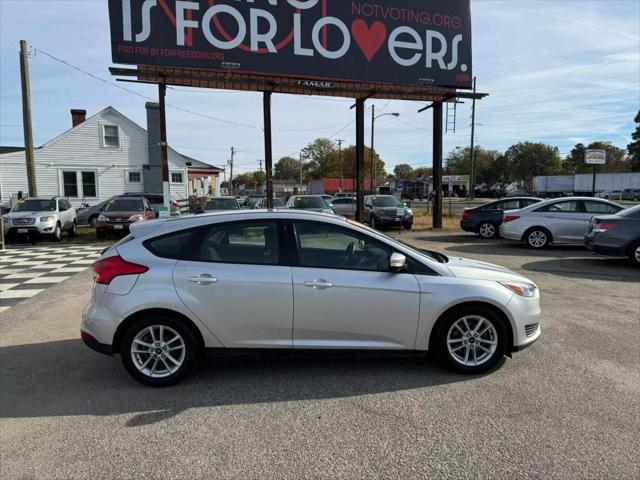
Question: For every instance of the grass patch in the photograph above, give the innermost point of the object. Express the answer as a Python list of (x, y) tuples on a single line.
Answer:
[(423, 221)]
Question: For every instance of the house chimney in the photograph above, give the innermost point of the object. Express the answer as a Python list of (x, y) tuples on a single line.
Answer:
[(78, 116)]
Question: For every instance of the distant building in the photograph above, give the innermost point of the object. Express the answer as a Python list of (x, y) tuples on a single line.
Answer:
[(104, 155)]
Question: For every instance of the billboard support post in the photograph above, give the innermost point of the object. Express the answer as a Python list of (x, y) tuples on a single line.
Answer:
[(268, 154), (360, 159), (593, 187), (437, 164), (162, 92)]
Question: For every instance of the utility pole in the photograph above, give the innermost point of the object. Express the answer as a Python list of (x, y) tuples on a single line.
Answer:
[(340, 161), (472, 185), (26, 120), (373, 167), (164, 154), (300, 192), (260, 163), (232, 189)]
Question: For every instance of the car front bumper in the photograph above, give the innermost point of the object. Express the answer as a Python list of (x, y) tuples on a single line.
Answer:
[(525, 313), (37, 229)]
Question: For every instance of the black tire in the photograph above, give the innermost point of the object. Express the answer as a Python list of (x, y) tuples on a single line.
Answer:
[(372, 222), (189, 360), (634, 253), (74, 230), (487, 230), (57, 233), (635, 199), (446, 324), (408, 226), (100, 235), (537, 238)]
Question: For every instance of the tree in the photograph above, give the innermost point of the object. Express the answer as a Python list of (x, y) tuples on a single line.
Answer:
[(349, 162), (322, 156), (287, 168), (528, 159), (634, 147), (402, 170), (487, 169), (423, 172)]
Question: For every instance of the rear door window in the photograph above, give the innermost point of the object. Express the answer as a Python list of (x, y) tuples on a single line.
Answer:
[(250, 243), (561, 207), (508, 205), (600, 207)]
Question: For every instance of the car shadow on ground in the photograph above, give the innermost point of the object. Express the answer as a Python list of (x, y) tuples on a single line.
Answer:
[(502, 247), (64, 378), (596, 268)]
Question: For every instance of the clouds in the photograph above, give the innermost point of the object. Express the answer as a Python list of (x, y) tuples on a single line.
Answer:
[(556, 72)]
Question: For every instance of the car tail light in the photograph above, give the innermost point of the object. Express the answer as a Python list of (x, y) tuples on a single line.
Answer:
[(466, 214), (510, 218), (603, 227), (107, 269), (175, 204)]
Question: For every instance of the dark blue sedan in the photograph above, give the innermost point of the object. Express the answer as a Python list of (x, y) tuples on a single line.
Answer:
[(486, 219)]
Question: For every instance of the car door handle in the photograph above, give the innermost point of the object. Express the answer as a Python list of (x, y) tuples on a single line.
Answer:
[(320, 284), (204, 279)]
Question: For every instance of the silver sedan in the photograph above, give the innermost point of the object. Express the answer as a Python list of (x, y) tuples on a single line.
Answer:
[(559, 221), (290, 279)]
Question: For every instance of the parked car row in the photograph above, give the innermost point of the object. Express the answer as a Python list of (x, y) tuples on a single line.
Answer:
[(603, 226), (40, 217), (89, 215)]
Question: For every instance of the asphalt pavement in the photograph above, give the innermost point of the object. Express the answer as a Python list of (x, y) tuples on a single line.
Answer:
[(565, 408)]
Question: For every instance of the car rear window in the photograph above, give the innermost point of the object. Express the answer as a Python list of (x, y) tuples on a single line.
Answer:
[(221, 204), (170, 245), (124, 205), (309, 202)]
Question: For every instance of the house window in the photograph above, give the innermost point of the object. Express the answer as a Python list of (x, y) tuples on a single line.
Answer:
[(89, 184), (111, 136), (134, 177), (176, 177), (77, 184), (70, 184)]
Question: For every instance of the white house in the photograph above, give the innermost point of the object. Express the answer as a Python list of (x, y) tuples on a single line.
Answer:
[(102, 156)]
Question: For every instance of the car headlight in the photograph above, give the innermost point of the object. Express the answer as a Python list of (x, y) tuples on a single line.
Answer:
[(102, 218), (408, 211), (48, 218), (136, 218), (522, 289)]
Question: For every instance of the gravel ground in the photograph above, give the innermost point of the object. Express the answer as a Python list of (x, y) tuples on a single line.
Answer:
[(565, 408)]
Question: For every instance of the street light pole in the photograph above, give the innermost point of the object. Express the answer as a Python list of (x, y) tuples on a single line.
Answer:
[(373, 163)]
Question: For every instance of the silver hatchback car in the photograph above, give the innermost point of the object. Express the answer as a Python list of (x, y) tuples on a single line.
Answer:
[(291, 279), (559, 221)]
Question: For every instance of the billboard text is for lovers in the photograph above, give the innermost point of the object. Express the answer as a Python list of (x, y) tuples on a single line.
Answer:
[(380, 41)]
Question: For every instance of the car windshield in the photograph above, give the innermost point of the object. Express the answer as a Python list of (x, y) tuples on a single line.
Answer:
[(387, 201), (438, 257), (310, 202), (34, 205), (278, 202), (633, 212), (124, 205), (221, 204)]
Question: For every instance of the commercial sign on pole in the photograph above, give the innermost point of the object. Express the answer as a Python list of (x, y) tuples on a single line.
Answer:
[(596, 157), (400, 42)]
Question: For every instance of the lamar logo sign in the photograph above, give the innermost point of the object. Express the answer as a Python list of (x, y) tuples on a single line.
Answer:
[(402, 41)]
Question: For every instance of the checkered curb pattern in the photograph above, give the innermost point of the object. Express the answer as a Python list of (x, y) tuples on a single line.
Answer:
[(25, 272)]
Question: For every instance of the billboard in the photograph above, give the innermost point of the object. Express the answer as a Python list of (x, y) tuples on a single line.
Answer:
[(596, 157), (399, 42)]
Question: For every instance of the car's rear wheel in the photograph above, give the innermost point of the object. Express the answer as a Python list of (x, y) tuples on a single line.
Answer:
[(471, 339), (487, 230), (74, 230), (537, 238), (158, 351), (634, 252)]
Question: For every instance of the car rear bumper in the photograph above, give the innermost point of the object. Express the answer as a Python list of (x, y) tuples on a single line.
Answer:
[(468, 225), (99, 325), (113, 227), (93, 344), (614, 251)]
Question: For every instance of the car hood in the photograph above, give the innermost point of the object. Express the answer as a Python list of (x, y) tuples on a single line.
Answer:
[(477, 270), (30, 214)]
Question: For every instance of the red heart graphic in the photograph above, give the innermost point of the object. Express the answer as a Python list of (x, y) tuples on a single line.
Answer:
[(369, 39)]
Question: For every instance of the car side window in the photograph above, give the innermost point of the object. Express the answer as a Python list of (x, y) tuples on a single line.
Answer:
[(339, 201), (250, 243), (526, 203), (171, 245), (508, 205), (560, 207), (600, 207), (323, 245)]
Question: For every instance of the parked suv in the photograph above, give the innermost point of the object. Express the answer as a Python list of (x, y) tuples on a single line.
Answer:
[(40, 216), (120, 213), (387, 211), (631, 194), (291, 279)]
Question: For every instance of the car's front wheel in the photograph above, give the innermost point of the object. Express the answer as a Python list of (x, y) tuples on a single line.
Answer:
[(634, 252), (487, 230), (158, 351), (57, 233), (471, 339), (537, 238)]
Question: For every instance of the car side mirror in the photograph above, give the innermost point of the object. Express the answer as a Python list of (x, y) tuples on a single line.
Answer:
[(397, 262)]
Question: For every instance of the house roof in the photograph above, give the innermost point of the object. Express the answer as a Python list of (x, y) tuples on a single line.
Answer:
[(197, 164)]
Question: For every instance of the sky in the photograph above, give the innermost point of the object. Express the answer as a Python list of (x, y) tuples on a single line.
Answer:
[(557, 71)]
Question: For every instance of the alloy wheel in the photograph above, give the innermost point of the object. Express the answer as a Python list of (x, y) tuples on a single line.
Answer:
[(158, 351), (487, 230), (472, 340), (637, 254), (537, 239)]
